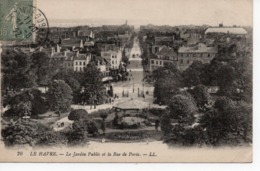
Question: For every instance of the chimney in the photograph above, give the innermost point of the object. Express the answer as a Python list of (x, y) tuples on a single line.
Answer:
[(81, 44), (65, 52), (58, 48), (52, 50)]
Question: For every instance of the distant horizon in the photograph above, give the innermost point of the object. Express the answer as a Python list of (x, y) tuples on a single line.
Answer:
[(101, 22), (156, 12)]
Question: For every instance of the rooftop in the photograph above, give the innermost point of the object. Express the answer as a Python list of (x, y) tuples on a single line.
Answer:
[(166, 51), (200, 48), (230, 30)]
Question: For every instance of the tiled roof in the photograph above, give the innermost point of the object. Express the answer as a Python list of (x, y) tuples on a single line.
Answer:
[(201, 48), (81, 57), (84, 32), (58, 55), (71, 42), (231, 30), (89, 43), (101, 59), (166, 51)]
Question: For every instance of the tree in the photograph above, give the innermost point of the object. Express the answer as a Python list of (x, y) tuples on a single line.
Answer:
[(59, 96), (125, 58), (16, 71), (42, 67), (86, 125), (195, 74), (167, 82), (20, 105), (23, 133), (183, 109), (93, 88), (166, 126), (202, 97), (77, 114), (227, 121)]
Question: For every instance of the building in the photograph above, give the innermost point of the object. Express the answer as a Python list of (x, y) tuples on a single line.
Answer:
[(103, 65), (200, 52), (226, 30), (88, 34), (72, 60), (164, 55), (81, 61), (113, 57), (163, 40)]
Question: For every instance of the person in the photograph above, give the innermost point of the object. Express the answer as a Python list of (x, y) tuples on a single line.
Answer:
[(157, 123)]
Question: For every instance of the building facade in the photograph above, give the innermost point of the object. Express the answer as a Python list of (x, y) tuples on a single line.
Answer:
[(200, 52), (113, 57)]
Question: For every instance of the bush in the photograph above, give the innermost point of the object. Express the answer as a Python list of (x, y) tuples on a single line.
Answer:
[(157, 111), (186, 136), (166, 126), (77, 114), (23, 133), (51, 138)]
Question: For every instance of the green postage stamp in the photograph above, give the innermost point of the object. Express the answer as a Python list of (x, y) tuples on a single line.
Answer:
[(17, 20)]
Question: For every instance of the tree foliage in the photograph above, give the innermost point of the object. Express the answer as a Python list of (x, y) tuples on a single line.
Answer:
[(228, 121), (167, 82), (28, 102), (196, 74), (77, 114), (23, 133), (202, 97), (16, 71), (182, 108), (59, 96), (93, 88)]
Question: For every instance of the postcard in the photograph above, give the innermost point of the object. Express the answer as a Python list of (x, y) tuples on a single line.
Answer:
[(131, 81)]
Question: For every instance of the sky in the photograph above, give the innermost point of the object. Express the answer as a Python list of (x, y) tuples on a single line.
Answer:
[(142, 12)]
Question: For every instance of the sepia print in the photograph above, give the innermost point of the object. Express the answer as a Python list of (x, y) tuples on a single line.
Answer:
[(126, 80)]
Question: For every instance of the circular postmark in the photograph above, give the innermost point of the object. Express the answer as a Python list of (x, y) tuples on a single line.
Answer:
[(28, 25)]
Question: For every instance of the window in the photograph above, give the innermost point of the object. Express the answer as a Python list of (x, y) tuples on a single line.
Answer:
[(76, 68), (112, 56), (152, 61), (188, 61), (208, 55), (181, 61), (84, 63), (80, 63), (112, 62), (76, 63), (156, 62), (160, 62), (115, 56), (80, 69)]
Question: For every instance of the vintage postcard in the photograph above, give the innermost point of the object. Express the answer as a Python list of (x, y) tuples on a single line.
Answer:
[(126, 81)]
